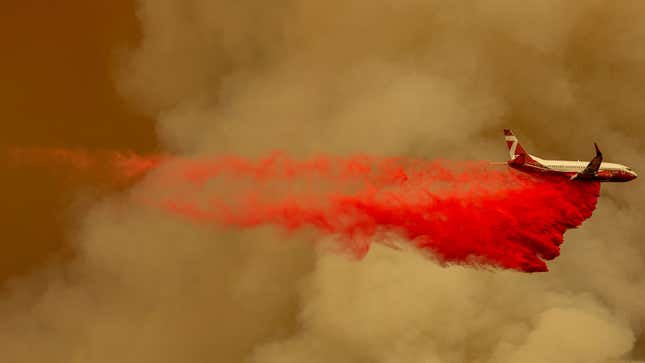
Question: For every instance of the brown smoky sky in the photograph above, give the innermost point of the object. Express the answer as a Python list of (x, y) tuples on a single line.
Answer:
[(433, 79), (57, 90)]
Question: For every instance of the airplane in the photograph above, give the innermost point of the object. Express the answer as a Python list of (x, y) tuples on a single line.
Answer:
[(594, 170)]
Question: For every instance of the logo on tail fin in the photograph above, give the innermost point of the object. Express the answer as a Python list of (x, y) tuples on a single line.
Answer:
[(515, 150)]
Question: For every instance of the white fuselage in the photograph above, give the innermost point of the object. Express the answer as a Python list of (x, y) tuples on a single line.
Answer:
[(570, 166)]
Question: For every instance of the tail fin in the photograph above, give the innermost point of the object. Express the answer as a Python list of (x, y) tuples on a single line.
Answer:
[(515, 150)]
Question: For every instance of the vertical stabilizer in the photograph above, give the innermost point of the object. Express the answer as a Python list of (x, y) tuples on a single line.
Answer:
[(516, 152)]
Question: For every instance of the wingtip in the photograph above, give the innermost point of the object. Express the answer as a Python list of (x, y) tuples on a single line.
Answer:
[(597, 149)]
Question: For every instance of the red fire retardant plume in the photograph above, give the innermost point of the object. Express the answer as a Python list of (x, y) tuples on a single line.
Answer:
[(470, 213)]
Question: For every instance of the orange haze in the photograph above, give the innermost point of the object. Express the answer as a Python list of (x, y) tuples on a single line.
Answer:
[(57, 90)]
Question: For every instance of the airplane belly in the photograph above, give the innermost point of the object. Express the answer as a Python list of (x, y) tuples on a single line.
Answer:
[(531, 169), (613, 176)]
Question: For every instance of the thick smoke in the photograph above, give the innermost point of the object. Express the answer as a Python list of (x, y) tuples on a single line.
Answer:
[(408, 78)]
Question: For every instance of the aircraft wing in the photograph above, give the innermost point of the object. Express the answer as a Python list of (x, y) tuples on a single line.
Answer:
[(594, 164)]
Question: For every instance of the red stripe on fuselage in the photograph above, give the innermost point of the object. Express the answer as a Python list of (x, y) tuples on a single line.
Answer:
[(600, 176)]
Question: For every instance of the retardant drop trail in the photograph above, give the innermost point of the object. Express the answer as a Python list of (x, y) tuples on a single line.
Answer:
[(461, 212)]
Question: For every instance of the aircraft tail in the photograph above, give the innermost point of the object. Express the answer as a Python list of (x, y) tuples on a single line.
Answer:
[(516, 152)]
